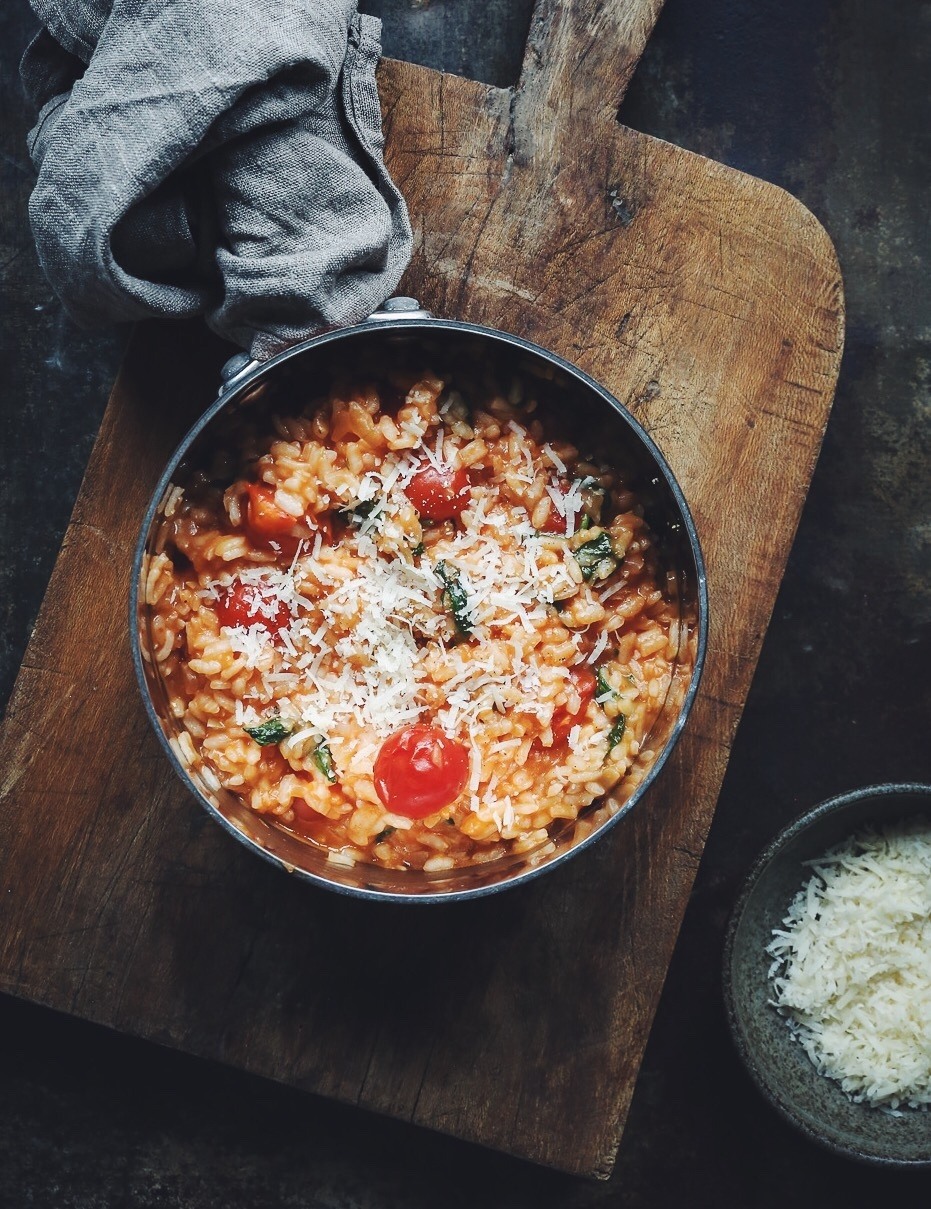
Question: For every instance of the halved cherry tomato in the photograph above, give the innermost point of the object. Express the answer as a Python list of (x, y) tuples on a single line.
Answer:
[(419, 770), (310, 822), (583, 678), (263, 516), (323, 523), (439, 495), (249, 605), (272, 525), (305, 813), (266, 521), (555, 521)]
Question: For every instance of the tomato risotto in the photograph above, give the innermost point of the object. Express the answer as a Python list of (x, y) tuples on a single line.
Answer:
[(413, 624)]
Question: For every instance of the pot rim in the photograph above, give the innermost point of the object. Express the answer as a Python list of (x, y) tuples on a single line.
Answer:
[(241, 384)]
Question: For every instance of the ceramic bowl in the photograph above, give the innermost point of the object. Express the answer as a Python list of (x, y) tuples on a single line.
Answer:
[(775, 1060)]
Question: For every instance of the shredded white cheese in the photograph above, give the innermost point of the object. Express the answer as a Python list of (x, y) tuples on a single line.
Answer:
[(598, 648), (385, 610), (852, 968), (367, 638)]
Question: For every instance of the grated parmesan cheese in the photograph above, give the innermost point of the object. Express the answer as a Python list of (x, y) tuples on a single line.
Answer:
[(852, 966), (370, 646), (598, 648)]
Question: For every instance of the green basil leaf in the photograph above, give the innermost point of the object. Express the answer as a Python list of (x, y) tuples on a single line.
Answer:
[(323, 758), (358, 512), (455, 597), (602, 687), (271, 731), (597, 558), (616, 733)]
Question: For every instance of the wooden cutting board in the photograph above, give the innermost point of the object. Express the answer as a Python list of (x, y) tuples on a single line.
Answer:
[(710, 303)]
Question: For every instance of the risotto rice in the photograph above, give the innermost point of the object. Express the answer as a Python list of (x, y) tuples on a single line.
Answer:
[(411, 623)]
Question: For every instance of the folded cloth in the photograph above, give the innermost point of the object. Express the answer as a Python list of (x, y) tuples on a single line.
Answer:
[(221, 157)]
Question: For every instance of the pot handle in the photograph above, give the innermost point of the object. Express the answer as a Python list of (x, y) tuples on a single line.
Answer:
[(399, 307), (240, 365)]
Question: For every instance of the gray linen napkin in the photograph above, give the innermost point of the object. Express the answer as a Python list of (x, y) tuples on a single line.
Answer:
[(216, 157)]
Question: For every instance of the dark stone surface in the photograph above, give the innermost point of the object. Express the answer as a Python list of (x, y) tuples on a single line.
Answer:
[(481, 41), (830, 101)]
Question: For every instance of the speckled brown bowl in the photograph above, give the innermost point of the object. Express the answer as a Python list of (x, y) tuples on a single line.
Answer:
[(775, 1060)]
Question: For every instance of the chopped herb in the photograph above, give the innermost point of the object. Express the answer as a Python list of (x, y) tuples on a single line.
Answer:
[(452, 403), (586, 522), (597, 558), (358, 512), (455, 597), (384, 834), (418, 550), (323, 758), (616, 733), (602, 687), (271, 731)]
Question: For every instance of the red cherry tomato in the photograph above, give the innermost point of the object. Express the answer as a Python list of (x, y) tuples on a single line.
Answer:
[(269, 523), (584, 680), (419, 770), (309, 822), (249, 605), (439, 495), (263, 516), (321, 523), (555, 521)]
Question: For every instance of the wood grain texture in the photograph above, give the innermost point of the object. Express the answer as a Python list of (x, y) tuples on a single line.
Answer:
[(710, 303)]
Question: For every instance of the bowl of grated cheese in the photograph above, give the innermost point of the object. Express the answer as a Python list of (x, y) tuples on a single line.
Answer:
[(418, 609), (827, 976)]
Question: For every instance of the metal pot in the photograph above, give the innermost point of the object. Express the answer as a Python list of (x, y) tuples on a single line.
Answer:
[(607, 427)]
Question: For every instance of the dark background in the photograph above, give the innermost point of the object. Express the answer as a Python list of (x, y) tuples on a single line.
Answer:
[(829, 100)]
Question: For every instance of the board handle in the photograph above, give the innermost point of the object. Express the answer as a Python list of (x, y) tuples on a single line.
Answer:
[(578, 62)]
